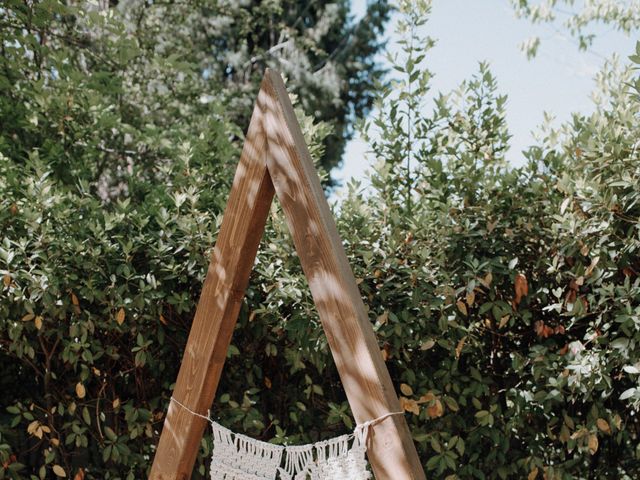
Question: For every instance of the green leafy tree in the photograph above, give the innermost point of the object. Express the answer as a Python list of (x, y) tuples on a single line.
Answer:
[(328, 59), (578, 18)]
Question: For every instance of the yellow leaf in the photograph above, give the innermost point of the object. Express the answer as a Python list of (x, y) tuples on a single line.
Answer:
[(533, 474), (462, 307), (80, 390), (116, 403), (55, 442), (59, 471), (38, 322), (406, 389), (593, 443), (33, 427), (28, 317), (603, 425), (120, 316), (503, 321)]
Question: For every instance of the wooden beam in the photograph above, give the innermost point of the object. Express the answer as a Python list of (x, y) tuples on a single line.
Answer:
[(217, 311), (350, 335), (275, 158)]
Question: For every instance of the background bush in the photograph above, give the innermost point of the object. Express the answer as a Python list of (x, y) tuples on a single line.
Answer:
[(506, 301)]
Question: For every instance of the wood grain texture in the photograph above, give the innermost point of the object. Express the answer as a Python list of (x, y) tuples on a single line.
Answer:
[(350, 335), (217, 311), (275, 159)]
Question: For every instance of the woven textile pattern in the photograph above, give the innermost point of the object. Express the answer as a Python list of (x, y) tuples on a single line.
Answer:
[(238, 457)]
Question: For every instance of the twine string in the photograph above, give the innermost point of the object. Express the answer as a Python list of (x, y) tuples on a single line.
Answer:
[(363, 426)]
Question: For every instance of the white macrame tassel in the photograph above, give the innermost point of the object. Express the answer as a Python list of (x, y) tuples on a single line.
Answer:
[(238, 457)]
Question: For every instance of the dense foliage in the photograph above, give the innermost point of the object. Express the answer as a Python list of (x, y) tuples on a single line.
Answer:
[(506, 301)]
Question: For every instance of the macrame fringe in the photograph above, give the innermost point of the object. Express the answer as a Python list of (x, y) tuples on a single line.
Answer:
[(238, 457)]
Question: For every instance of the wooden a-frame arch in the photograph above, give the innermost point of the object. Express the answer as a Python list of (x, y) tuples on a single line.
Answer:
[(275, 160)]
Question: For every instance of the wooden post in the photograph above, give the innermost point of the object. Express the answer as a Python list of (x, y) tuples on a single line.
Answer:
[(275, 158)]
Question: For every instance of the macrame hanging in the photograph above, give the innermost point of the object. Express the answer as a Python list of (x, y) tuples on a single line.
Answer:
[(238, 457)]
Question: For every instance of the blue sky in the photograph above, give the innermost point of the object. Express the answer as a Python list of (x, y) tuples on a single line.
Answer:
[(559, 80)]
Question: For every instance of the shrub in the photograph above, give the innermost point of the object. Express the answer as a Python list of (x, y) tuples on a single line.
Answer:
[(505, 300)]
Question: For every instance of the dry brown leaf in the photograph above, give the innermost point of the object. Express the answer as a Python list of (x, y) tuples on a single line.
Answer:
[(521, 288), (80, 390), (164, 320), (116, 403), (427, 345), (460, 346), (462, 307), (267, 382), (6, 279), (38, 322), (384, 318), (471, 298), (593, 443), (504, 320), (427, 397), (409, 405), (79, 475), (59, 471), (33, 428), (120, 316), (436, 409), (385, 353), (486, 280), (406, 389), (75, 302), (617, 421), (533, 474), (603, 425), (28, 317)]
